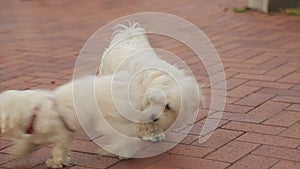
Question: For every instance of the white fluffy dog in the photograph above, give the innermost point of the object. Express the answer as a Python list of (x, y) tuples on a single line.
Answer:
[(37, 117), (177, 95)]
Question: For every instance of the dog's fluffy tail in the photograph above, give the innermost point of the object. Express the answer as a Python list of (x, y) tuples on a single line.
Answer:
[(123, 32), (131, 36), (128, 39)]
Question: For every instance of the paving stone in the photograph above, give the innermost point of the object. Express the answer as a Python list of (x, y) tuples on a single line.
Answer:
[(257, 128), (254, 99), (4, 158), (91, 160), (294, 107), (281, 92), (278, 152), (232, 108), (242, 91), (193, 151), (38, 157), (138, 163), (265, 84), (5, 143), (232, 151), (191, 162), (292, 131), (284, 164), (254, 162), (219, 138), (292, 78), (287, 99), (285, 119), (270, 140), (282, 70)]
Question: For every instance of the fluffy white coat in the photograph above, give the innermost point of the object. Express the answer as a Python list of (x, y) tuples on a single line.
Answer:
[(179, 98)]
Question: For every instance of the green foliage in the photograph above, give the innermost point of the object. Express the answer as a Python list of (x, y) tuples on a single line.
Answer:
[(292, 11), (240, 9)]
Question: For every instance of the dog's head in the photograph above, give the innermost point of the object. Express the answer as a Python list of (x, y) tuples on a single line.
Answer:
[(169, 99)]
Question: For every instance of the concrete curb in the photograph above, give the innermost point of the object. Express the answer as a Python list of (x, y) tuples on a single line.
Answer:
[(272, 5)]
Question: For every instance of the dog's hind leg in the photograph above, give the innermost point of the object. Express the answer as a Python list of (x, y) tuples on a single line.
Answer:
[(59, 154)]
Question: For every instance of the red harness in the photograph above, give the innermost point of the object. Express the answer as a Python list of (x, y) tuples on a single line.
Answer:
[(30, 128)]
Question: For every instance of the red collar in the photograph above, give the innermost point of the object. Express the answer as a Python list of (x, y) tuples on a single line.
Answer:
[(30, 128)]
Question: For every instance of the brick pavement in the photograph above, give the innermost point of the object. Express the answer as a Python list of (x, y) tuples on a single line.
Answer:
[(40, 41)]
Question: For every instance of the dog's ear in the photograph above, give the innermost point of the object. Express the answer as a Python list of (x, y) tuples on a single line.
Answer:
[(157, 74), (151, 75)]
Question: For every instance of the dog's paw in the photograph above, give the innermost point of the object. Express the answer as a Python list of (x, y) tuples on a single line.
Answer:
[(156, 137), (150, 132), (53, 163), (108, 154), (123, 158)]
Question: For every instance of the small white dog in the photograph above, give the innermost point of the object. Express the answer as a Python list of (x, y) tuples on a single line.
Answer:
[(177, 94), (37, 117)]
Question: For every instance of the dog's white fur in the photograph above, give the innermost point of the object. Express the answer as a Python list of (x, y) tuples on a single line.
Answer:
[(17, 108), (130, 50)]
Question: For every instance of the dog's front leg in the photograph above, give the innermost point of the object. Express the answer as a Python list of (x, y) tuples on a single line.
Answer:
[(59, 155), (150, 132)]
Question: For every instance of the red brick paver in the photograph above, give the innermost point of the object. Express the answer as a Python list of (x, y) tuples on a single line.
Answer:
[(191, 162), (260, 127), (283, 164), (232, 151), (254, 162), (278, 152)]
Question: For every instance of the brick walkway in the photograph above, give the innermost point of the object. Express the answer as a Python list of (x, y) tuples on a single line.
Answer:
[(260, 128)]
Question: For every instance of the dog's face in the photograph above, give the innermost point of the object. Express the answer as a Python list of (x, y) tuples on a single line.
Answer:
[(171, 100)]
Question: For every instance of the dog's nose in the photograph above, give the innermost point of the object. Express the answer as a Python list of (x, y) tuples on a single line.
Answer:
[(154, 118)]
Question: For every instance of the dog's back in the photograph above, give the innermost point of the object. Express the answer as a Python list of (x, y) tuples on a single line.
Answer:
[(94, 101)]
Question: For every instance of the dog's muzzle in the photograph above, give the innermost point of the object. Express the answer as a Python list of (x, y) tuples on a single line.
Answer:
[(154, 118)]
